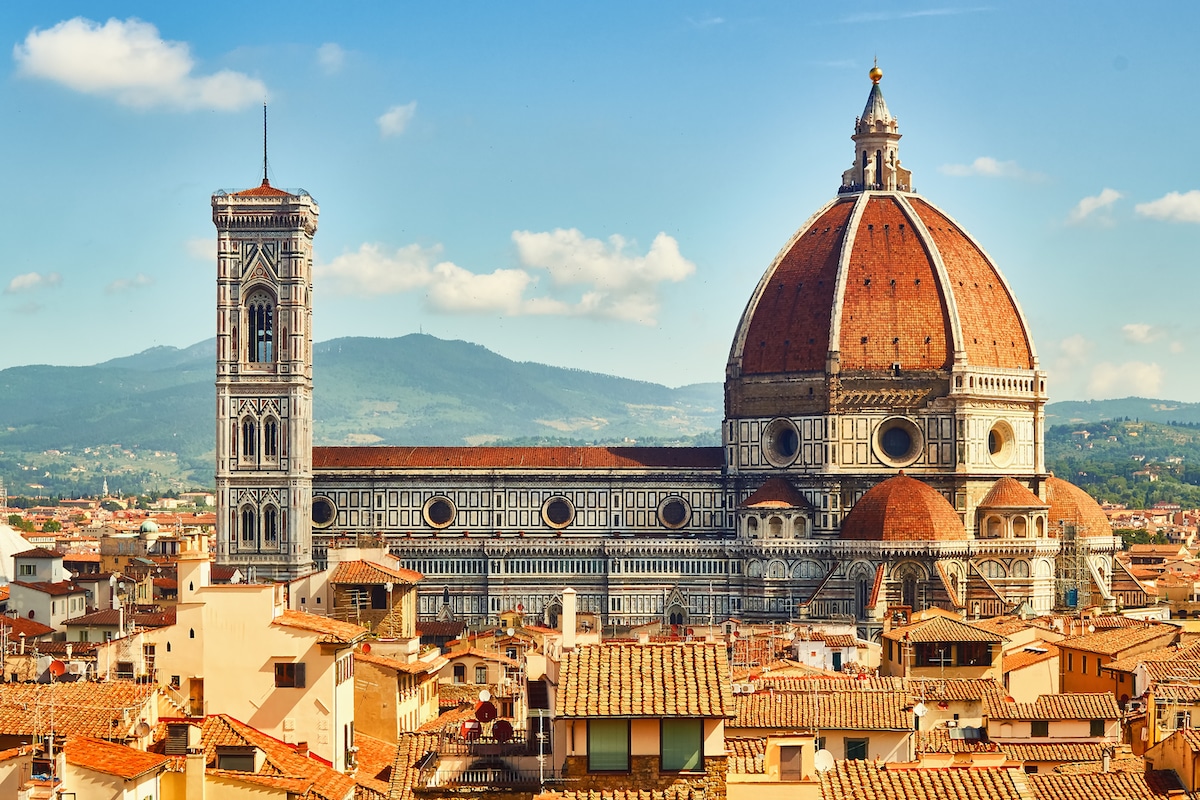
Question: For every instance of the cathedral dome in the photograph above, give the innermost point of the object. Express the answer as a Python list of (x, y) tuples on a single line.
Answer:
[(1070, 505), (879, 287), (903, 509)]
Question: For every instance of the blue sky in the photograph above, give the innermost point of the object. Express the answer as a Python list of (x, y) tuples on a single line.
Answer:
[(594, 185)]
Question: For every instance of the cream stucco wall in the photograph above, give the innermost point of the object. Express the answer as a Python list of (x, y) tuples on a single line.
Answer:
[(224, 641), (86, 783)]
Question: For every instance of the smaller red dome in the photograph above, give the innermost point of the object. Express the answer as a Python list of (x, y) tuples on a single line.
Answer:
[(1011, 493), (903, 509), (1070, 505)]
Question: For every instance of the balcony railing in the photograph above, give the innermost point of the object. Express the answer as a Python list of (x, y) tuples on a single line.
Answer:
[(492, 777)]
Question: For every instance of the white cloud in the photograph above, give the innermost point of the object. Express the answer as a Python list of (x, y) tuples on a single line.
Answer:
[(128, 60), (371, 270), (988, 167), (124, 284), (31, 281), (1173, 207), (621, 285), (1075, 349), (706, 21), (1141, 333), (331, 57), (1176, 347), (395, 120), (1123, 380), (612, 282), (1090, 205)]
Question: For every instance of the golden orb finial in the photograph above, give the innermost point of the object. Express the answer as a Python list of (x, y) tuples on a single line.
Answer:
[(876, 73)]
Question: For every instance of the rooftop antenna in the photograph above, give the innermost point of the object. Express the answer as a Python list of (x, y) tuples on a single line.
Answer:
[(265, 181)]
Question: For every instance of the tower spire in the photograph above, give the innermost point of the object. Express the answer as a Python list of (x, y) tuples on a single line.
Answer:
[(265, 181)]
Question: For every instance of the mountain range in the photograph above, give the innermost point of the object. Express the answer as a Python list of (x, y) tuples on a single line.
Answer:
[(149, 416)]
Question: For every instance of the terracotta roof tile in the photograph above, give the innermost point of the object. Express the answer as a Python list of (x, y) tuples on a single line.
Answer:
[(420, 458), (98, 755), (645, 680), (57, 589), (746, 755), (20, 625), (865, 779), (109, 710), (1071, 705), (372, 573), (39, 552), (1107, 785), (1011, 493), (105, 616), (835, 711), (409, 668), (332, 630), (1055, 751), (1033, 654), (263, 190), (942, 629), (940, 740), (1116, 640)]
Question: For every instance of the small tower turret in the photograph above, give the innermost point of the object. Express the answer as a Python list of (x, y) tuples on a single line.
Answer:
[(876, 147)]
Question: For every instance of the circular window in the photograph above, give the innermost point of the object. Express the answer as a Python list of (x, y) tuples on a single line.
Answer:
[(1001, 444), (898, 441), (780, 442), (324, 512), (674, 512), (439, 512), (558, 512)]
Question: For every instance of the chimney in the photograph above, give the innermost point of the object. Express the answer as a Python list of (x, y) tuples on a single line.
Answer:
[(1106, 760), (568, 619), (302, 749), (194, 774), (643, 637)]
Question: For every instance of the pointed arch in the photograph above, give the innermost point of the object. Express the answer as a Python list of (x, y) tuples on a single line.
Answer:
[(260, 324)]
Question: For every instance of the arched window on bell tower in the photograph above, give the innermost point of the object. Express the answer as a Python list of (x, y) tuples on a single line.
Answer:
[(249, 438), (270, 444), (270, 527), (249, 527), (260, 321)]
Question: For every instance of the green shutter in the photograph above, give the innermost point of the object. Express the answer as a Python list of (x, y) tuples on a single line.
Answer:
[(608, 745), (682, 744)]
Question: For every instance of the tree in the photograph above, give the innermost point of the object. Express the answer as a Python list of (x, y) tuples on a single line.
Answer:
[(51, 526), (20, 523)]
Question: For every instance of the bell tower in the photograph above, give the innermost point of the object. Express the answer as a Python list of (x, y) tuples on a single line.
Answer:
[(264, 380)]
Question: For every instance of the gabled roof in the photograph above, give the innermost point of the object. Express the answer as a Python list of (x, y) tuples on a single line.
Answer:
[(333, 631), (866, 779), (18, 626), (942, 629), (1071, 705), (124, 762), (408, 668), (368, 572), (869, 711), (56, 589), (1115, 640), (1108, 785), (645, 680), (108, 710), (282, 766), (39, 552)]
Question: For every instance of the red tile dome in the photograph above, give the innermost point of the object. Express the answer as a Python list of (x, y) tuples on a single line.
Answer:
[(1070, 505), (878, 289), (903, 509), (880, 279), (1011, 493)]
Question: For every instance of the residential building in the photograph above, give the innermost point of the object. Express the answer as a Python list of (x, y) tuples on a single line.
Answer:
[(942, 646)]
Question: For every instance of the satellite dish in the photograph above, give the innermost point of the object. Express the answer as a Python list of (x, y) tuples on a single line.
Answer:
[(823, 761), (502, 731), (511, 631), (57, 668), (141, 729), (920, 710), (1091, 628), (486, 712), (484, 695)]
